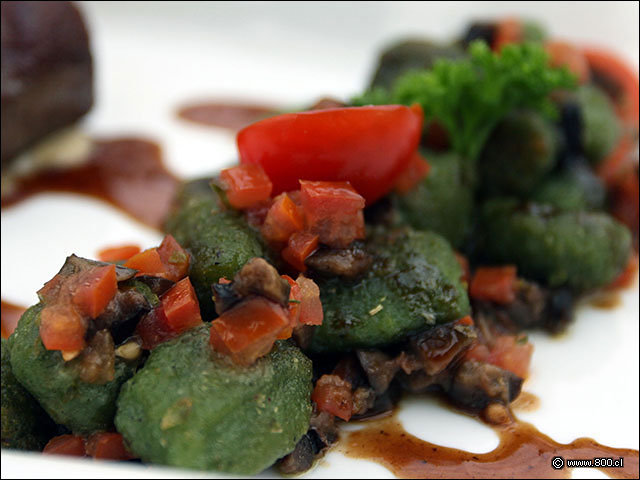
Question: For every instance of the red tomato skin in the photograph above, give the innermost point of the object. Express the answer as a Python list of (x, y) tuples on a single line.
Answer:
[(494, 284), (283, 219), (248, 330), (114, 254), (333, 211), (311, 312), (107, 446), (180, 306), (72, 445), (564, 54), (153, 329), (245, 185), (62, 327), (300, 246), (174, 258), (332, 394), (367, 146), (95, 289)]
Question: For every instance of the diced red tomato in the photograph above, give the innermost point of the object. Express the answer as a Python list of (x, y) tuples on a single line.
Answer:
[(333, 211), (464, 265), (49, 292), (181, 308), (564, 54), (628, 275), (311, 312), (174, 258), (62, 327), (153, 329), (95, 289), (507, 352), (300, 246), (494, 284), (626, 98), (466, 320), (367, 146), (248, 330), (332, 394), (72, 445), (147, 263), (293, 310), (508, 30), (283, 219), (410, 177), (245, 185), (107, 446), (115, 254)]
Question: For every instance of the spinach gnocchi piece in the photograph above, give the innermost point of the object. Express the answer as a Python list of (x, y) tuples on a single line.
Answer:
[(600, 124), (414, 284), (25, 426), (577, 249), (576, 188), (218, 239), (520, 151), (190, 407), (442, 202), (57, 385)]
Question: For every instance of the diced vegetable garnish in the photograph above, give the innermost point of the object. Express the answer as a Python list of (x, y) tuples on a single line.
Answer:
[(416, 171), (62, 327), (174, 258), (115, 254), (107, 446), (245, 185), (169, 261), (507, 352), (180, 306), (147, 263), (248, 330), (564, 54), (367, 146), (494, 284), (333, 211), (310, 304), (332, 394), (96, 288), (153, 329), (72, 445), (300, 246), (283, 219)]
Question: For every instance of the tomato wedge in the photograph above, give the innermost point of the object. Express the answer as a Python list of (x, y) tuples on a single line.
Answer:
[(367, 146)]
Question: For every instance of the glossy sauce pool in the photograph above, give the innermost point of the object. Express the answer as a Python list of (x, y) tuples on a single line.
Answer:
[(523, 452), (10, 315), (128, 173), (233, 116)]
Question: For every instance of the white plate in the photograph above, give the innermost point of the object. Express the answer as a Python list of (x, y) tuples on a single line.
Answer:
[(152, 58)]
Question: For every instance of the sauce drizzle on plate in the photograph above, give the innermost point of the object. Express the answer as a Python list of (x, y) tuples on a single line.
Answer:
[(128, 173), (523, 452)]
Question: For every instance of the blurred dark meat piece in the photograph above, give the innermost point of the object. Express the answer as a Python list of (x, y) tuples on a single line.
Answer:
[(47, 73)]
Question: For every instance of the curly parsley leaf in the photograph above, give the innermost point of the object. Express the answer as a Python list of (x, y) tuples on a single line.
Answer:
[(469, 97)]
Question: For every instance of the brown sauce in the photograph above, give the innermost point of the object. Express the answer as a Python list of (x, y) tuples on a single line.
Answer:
[(523, 452), (526, 402), (606, 300), (233, 116), (10, 315), (128, 173)]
